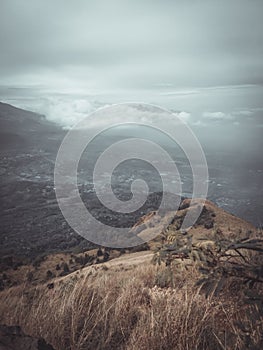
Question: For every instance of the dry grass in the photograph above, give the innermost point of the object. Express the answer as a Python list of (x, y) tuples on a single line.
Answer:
[(123, 309)]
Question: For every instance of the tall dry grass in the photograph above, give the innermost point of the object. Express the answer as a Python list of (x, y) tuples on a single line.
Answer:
[(124, 310)]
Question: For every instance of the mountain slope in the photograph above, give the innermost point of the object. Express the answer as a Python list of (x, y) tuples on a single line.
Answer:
[(22, 130), (29, 144)]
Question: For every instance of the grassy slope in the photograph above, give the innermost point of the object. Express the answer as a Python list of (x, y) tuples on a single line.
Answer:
[(118, 305)]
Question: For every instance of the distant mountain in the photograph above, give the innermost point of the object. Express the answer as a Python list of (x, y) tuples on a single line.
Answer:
[(21, 130)]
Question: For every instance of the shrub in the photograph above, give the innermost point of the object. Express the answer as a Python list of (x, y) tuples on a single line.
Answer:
[(49, 274), (231, 268), (65, 267)]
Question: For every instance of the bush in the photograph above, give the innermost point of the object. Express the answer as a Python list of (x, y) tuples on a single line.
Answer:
[(50, 274), (229, 268), (65, 267)]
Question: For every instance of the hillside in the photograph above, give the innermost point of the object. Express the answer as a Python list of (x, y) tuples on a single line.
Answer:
[(211, 219), (122, 303), (22, 131), (29, 144)]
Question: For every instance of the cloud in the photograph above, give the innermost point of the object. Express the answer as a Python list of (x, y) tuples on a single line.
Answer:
[(64, 110), (251, 117), (67, 112), (246, 113), (185, 117), (134, 113), (217, 116)]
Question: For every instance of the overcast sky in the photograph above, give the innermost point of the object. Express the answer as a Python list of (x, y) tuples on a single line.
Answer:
[(135, 43), (181, 53)]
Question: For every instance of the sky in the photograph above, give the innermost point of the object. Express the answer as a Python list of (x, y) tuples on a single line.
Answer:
[(66, 58)]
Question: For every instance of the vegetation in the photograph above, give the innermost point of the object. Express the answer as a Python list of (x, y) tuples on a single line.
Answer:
[(229, 267), (119, 310), (203, 292)]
